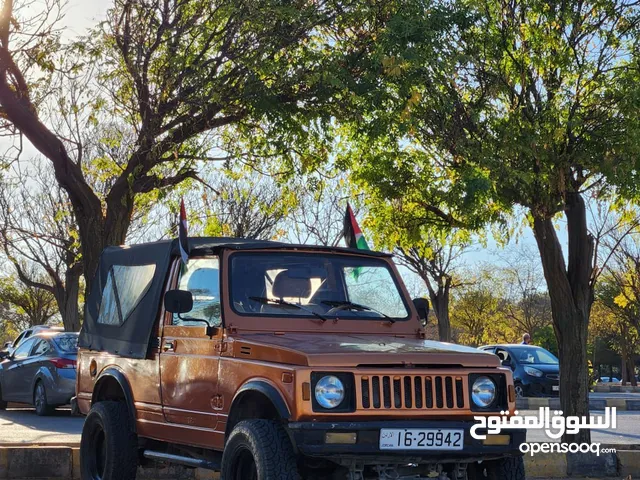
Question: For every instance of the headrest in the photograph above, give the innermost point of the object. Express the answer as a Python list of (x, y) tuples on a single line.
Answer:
[(286, 286)]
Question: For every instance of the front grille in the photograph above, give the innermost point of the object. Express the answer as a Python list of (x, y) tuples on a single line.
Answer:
[(553, 376), (415, 392)]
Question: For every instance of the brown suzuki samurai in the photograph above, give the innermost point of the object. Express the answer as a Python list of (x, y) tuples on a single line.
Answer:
[(271, 361)]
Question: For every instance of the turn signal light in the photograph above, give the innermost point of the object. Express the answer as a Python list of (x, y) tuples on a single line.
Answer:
[(497, 440)]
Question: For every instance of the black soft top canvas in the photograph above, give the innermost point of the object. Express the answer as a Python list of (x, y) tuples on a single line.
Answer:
[(131, 338)]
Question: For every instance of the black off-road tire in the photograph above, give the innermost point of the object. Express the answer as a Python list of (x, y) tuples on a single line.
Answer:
[(259, 450), (3, 404), (40, 400), (509, 468), (109, 446)]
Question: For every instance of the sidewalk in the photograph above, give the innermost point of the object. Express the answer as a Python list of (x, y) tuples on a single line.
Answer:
[(597, 401)]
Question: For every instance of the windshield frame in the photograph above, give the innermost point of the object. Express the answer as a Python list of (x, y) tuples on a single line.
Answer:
[(253, 321)]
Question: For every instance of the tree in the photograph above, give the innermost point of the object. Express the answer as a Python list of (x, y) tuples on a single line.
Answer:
[(476, 311), (321, 202), (247, 205), (527, 303), (177, 74), (612, 323), (489, 106), (38, 235), (25, 306)]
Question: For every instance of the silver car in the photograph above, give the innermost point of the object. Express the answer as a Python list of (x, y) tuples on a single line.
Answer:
[(41, 371)]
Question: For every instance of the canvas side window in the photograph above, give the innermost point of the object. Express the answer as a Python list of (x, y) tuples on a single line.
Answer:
[(125, 287), (201, 277)]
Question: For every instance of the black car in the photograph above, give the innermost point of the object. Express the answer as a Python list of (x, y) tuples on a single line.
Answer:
[(536, 371)]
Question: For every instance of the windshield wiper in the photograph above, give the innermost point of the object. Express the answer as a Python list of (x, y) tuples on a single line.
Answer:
[(345, 304), (284, 303)]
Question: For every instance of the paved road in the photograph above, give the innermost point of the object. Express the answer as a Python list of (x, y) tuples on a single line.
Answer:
[(22, 426)]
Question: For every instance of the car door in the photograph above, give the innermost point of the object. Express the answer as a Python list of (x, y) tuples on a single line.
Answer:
[(189, 358), (37, 358), (15, 385)]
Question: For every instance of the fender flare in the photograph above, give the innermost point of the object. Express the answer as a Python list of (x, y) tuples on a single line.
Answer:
[(43, 375), (265, 388), (122, 381)]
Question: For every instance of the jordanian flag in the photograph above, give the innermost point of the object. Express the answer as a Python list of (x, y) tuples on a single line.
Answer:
[(352, 233), (182, 233)]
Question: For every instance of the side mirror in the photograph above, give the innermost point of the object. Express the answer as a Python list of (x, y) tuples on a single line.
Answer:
[(178, 301), (4, 355), (7, 345), (422, 306)]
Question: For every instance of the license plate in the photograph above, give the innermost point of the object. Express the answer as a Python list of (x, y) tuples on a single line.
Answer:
[(555, 388), (421, 439)]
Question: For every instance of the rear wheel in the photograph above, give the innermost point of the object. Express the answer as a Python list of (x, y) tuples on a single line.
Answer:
[(40, 400), (108, 447), (259, 450)]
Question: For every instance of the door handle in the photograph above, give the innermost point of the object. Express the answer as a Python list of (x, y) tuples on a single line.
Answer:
[(169, 346)]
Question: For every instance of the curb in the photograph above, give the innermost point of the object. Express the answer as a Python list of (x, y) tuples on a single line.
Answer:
[(616, 389), (621, 404), (63, 463)]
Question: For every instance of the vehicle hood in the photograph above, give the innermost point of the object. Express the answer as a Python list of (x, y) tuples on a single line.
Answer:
[(350, 350), (544, 367)]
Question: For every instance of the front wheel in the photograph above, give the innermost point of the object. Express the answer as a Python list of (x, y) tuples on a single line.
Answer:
[(108, 447), (519, 390), (259, 450)]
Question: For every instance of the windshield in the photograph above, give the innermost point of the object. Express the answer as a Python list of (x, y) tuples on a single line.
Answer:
[(534, 355), (315, 285), (67, 343)]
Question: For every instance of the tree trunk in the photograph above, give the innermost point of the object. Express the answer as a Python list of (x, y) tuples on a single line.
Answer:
[(67, 299), (571, 292), (624, 365), (631, 365), (440, 303)]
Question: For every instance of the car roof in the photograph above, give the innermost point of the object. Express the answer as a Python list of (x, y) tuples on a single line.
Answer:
[(53, 334), (208, 245), (510, 345)]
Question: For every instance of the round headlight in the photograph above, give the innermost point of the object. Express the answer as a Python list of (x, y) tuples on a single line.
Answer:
[(483, 392), (329, 392)]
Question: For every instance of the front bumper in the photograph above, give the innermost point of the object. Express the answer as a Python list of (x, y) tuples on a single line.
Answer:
[(541, 387), (309, 440)]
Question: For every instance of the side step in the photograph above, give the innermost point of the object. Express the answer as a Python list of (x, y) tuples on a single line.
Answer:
[(180, 460)]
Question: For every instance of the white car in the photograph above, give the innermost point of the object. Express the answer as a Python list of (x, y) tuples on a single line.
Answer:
[(27, 333)]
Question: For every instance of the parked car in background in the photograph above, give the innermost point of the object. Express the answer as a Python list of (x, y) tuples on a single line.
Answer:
[(41, 371), (25, 334), (608, 380), (536, 371)]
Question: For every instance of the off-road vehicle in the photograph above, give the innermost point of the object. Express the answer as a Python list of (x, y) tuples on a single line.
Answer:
[(272, 361)]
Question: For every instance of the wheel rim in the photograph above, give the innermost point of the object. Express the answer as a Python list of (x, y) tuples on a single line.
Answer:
[(519, 392), (244, 467), (40, 397), (98, 454)]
